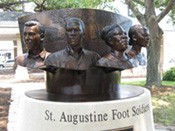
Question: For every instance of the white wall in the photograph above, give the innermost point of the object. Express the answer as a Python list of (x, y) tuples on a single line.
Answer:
[(169, 49)]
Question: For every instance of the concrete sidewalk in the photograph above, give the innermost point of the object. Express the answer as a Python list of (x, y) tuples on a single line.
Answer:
[(133, 79), (18, 90)]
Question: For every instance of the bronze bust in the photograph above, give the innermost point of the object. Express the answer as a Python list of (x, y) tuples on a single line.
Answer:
[(74, 56), (115, 37), (33, 36), (139, 37)]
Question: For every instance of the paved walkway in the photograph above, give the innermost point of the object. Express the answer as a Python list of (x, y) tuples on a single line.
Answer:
[(18, 90)]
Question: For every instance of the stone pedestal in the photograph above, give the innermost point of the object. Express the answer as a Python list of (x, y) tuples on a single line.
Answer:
[(21, 73), (39, 113)]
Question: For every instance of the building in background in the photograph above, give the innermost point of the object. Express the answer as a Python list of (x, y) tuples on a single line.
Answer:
[(6, 51), (10, 43)]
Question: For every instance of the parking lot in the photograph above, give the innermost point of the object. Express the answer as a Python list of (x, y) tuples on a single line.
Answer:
[(7, 64)]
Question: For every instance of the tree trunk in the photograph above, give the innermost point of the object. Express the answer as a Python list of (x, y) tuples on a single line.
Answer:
[(154, 64)]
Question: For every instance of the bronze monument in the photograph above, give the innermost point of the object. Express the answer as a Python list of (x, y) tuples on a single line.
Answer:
[(86, 47), (84, 53)]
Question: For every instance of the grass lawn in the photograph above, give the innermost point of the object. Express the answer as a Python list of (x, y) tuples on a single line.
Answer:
[(163, 101)]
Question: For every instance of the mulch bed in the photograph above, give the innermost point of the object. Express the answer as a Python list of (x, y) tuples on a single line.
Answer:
[(164, 90), (5, 95)]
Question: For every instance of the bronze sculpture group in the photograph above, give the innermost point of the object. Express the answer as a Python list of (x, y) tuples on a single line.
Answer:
[(74, 56), (75, 70)]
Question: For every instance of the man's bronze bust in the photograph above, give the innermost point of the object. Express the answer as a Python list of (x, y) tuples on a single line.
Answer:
[(139, 37), (115, 37), (33, 36), (74, 56)]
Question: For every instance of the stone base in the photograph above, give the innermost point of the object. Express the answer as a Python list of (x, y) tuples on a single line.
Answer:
[(118, 93), (24, 71), (124, 114)]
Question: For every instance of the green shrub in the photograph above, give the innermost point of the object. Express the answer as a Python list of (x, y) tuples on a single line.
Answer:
[(169, 75)]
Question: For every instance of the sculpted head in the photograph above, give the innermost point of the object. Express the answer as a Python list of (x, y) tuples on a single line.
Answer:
[(33, 35), (74, 31), (139, 34), (115, 37)]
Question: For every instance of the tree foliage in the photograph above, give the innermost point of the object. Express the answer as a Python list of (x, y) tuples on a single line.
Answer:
[(169, 75), (12, 5), (167, 7), (43, 5)]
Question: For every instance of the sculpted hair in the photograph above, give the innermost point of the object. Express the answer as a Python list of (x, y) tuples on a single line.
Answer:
[(35, 23), (74, 19), (133, 31), (107, 33)]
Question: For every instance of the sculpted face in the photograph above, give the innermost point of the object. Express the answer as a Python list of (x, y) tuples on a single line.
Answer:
[(142, 36), (32, 37), (74, 33), (119, 39)]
